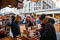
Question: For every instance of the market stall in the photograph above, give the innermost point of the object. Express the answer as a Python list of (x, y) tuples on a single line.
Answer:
[(29, 34)]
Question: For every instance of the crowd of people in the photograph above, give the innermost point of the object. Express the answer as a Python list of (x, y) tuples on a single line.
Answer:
[(16, 21), (47, 30)]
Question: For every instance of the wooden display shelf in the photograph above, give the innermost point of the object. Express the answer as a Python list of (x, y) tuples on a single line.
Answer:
[(57, 27)]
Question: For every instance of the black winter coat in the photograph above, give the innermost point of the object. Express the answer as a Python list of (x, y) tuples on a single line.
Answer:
[(15, 29), (51, 20), (48, 32)]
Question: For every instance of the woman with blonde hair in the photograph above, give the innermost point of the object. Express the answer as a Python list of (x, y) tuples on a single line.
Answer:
[(18, 18)]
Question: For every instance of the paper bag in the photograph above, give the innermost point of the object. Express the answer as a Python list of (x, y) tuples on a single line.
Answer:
[(22, 27)]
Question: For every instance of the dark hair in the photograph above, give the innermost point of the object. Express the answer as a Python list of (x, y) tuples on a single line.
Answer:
[(28, 17), (42, 16), (13, 18)]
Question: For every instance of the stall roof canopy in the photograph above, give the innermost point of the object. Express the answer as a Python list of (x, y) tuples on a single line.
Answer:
[(13, 3), (4, 3)]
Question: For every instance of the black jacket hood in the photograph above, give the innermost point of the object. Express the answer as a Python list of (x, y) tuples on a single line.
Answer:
[(51, 20)]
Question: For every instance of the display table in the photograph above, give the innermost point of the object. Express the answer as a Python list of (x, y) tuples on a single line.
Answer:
[(36, 37), (29, 35)]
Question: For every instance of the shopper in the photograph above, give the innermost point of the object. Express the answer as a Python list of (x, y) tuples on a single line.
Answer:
[(52, 21), (28, 21), (47, 31), (15, 26)]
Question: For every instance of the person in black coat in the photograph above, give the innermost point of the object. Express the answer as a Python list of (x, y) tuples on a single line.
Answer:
[(47, 30), (15, 26), (52, 21)]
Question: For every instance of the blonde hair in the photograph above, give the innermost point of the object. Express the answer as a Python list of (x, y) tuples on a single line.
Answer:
[(17, 18)]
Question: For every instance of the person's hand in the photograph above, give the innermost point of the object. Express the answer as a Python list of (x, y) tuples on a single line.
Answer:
[(41, 28)]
